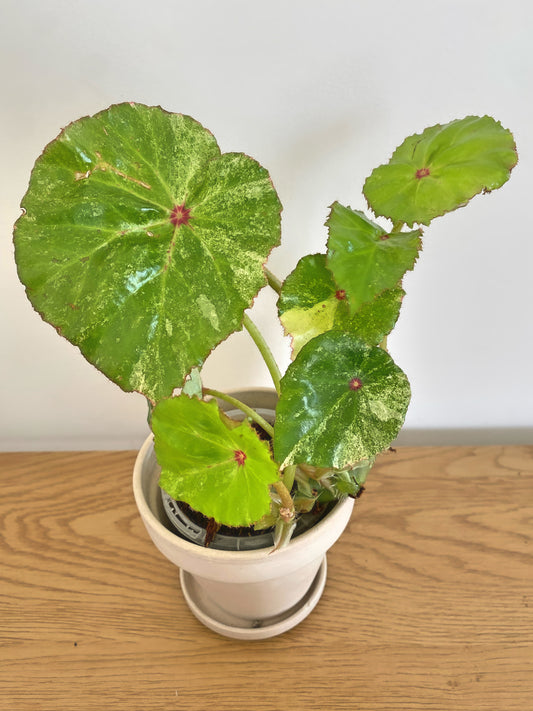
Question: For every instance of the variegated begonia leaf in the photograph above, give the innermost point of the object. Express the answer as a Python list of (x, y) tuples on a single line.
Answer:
[(143, 244), (375, 319), (341, 401), (311, 303), (363, 258), (223, 472), (441, 169)]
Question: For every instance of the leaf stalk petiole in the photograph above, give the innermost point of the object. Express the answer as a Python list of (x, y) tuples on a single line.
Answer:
[(248, 411), (265, 351)]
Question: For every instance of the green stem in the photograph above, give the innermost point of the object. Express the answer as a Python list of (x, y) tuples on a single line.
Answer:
[(150, 410), (288, 476), (397, 226), (265, 351), (251, 413), (286, 498), (273, 281)]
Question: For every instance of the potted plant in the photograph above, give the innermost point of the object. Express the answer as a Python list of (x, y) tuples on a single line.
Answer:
[(144, 246)]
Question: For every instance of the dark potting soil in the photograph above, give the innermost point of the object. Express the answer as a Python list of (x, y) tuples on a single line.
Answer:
[(212, 527)]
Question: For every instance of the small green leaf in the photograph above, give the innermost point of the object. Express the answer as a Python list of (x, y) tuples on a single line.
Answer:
[(142, 244), (220, 471), (441, 169), (311, 303), (364, 259), (341, 401), (308, 304)]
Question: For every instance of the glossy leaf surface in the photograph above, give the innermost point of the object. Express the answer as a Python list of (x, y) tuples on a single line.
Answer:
[(364, 259), (375, 319), (341, 401), (308, 304), (311, 303), (142, 244), (441, 169), (222, 471)]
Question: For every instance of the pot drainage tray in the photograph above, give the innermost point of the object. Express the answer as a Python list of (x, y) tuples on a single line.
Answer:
[(211, 615)]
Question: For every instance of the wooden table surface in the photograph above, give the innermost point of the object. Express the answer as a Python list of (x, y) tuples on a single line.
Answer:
[(428, 604)]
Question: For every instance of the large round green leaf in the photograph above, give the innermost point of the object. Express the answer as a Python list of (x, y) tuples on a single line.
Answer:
[(312, 303), (223, 471), (441, 169), (142, 244), (341, 401)]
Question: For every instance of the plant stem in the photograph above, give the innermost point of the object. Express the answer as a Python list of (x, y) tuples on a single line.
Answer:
[(288, 476), (251, 413), (273, 281), (265, 351), (286, 498), (397, 226), (150, 410)]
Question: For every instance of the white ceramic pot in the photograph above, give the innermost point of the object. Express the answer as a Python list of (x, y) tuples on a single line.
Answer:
[(242, 594)]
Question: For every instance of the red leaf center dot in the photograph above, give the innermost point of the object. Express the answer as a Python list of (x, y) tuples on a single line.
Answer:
[(239, 456), (355, 384), (340, 294), (180, 215), (422, 173)]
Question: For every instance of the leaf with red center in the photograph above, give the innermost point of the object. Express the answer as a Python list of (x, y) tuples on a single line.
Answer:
[(422, 173), (180, 215), (239, 456), (225, 472), (363, 258), (441, 169), (310, 304), (341, 401), (143, 244)]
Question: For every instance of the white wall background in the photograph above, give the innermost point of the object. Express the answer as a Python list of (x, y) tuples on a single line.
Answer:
[(320, 92)]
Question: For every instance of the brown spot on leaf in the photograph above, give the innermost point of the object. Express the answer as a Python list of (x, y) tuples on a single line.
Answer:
[(355, 384), (239, 456), (180, 215), (340, 294), (422, 173)]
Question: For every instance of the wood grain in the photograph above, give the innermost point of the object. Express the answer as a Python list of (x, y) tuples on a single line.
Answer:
[(428, 605)]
